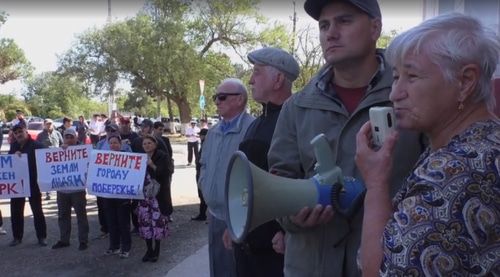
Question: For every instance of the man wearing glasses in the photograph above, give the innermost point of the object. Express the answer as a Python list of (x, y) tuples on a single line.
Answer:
[(221, 142)]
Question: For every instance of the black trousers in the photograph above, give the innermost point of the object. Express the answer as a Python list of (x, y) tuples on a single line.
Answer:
[(133, 213), (262, 263), (192, 147), (101, 215), (118, 219), (17, 216), (203, 205), (94, 139), (164, 198), (1, 219)]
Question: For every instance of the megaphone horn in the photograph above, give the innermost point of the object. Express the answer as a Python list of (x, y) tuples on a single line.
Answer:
[(254, 197)]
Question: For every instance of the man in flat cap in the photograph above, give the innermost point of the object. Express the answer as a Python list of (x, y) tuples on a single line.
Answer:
[(274, 71), (335, 102)]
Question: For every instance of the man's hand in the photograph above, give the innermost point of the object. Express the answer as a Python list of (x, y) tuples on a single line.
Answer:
[(308, 217), (226, 239), (279, 244)]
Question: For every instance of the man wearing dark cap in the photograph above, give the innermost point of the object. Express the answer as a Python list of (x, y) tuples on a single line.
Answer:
[(20, 121), (24, 144), (274, 71), (111, 129), (319, 242)]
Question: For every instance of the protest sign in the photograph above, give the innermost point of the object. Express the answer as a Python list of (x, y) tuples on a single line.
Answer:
[(115, 174), (14, 176), (62, 169)]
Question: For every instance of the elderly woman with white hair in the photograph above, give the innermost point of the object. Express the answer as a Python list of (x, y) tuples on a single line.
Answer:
[(445, 220)]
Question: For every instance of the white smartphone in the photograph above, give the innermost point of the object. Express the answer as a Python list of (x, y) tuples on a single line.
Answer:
[(383, 123)]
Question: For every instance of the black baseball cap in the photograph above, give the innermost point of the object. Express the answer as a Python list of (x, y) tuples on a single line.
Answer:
[(147, 122), (370, 7)]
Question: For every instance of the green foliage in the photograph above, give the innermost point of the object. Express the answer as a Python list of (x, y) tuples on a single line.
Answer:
[(165, 50), (55, 95), (3, 17), (386, 38), (10, 104), (13, 63), (91, 64)]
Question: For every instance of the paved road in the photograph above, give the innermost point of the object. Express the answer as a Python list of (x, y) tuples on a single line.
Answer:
[(183, 253)]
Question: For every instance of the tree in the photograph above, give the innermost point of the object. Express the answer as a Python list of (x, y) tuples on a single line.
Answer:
[(386, 38), (91, 64), (13, 63), (55, 95), (168, 48)]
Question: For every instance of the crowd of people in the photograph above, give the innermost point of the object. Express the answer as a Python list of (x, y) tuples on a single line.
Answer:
[(118, 218), (432, 203)]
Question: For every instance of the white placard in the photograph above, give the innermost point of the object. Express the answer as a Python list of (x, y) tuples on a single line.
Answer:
[(115, 174), (62, 169), (14, 176)]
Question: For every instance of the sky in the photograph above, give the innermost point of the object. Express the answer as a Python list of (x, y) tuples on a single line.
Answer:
[(47, 28)]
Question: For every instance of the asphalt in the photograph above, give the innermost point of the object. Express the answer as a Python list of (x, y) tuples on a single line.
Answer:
[(195, 265), (184, 253)]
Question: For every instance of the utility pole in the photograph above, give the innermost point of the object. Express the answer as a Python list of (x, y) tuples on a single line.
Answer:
[(111, 84), (109, 12), (294, 20)]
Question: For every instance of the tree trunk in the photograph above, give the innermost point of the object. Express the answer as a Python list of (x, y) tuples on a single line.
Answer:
[(184, 112), (169, 108)]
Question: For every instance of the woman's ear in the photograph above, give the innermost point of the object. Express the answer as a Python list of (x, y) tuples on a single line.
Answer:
[(468, 81)]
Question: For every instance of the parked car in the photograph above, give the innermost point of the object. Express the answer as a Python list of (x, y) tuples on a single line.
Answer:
[(58, 122), (5, 127), (176, 123), (34, 128)]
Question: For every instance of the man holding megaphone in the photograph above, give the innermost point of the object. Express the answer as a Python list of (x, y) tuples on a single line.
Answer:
[(335, 102)]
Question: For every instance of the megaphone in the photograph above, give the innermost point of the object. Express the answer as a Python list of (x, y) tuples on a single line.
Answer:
[(254, 196)]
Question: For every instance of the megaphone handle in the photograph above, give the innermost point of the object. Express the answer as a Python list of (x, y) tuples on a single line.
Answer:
[(323, 154)]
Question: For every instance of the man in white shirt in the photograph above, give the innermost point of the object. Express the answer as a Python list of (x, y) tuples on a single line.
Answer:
[(193, 139), (96, 127)]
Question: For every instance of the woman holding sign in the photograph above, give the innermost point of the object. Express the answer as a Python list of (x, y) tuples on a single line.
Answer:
[(153, 210), (118, 215)]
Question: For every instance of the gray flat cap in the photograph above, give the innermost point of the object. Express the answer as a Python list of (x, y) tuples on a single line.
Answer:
[(278, 59), (370, 7)]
